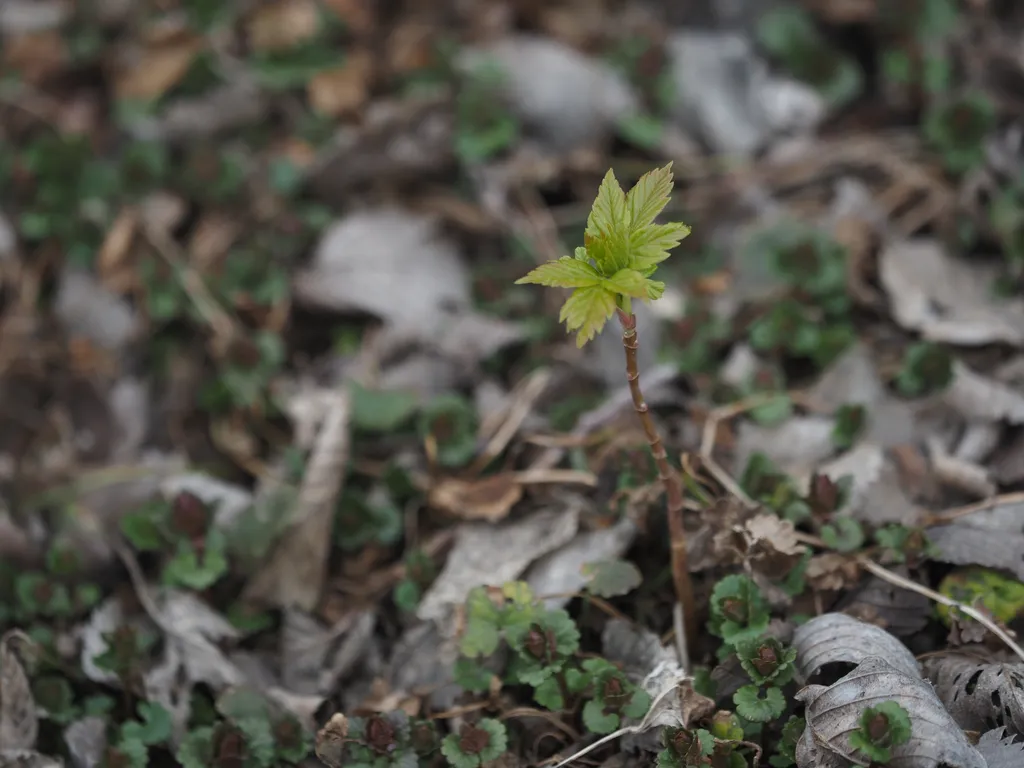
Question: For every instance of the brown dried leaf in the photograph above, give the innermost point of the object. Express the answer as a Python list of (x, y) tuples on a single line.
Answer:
[(282, 24), (836, 637), (834, 713), (831, 571), (112, 263), (330, 741), (769, 545), (158, 68), (19, 724), (488, 498), (979, 694), (212, 237), (991, 537), (37, 56), (342, 90)]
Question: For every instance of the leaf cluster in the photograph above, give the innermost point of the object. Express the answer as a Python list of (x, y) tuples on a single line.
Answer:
[(198, 550), (880, 729), (543, 644), (249, 730), (622, 249)]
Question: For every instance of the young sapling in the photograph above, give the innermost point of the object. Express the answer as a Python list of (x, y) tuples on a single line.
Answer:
[(622, 247)]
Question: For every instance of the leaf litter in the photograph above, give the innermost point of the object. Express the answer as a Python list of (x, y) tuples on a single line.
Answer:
[(249, 256)]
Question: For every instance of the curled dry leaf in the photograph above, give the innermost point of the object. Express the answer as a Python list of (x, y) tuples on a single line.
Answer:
[(295, 574), (1001, 749), (833, 713), (831, 571), (877, 494), (389, 262), (945, 298), (19, 724), (992, 538), (769, 545), (157, 69), (330, 741), (978, 694), (836, 637), (487, 498), (980, 398)]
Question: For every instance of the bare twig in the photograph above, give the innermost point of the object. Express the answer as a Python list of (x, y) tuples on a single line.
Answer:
[(949, 515), (670, 478)]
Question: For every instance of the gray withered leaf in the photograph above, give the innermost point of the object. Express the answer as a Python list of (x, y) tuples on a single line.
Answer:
[(19, 724), (1001, 749), (836, 637), (834, 712), (977, 692), (991, 538)]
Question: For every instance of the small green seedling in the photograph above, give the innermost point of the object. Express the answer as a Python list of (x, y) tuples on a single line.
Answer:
[(770, 665), (881, 728), (622, 248)]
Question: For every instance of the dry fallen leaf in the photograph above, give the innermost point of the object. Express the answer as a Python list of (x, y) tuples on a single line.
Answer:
[(1001, 749), (991, 537), (212, 237), (561, 572), (492, 555), (113, 262), (980, 398), (945, 298), (295, 572), (19, 724), (769, 544), (282, 24), (979, 694), (833, 713), (487, 498), (831, 571), (158, 68), (836, 637), (343, 90)]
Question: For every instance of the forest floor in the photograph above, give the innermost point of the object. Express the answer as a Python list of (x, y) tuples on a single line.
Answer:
[(292, 470)]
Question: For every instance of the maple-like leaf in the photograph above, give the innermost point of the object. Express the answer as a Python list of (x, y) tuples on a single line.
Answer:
[(622, 247), (566, 272), (587, 310), (650, 246), (649, 197)]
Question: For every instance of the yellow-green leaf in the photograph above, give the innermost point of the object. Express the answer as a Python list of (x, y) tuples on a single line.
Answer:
[(629, 282), (650, 246), (609, 214), (648, 197), (566, 272), (586, 311)]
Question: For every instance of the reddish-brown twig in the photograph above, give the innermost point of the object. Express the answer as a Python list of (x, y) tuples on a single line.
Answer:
[(669, 478)]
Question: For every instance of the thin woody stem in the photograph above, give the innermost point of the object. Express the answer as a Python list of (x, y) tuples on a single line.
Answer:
[(669, 478)]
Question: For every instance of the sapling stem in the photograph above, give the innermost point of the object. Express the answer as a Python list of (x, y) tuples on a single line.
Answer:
[(669, 478), (622, 247)]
